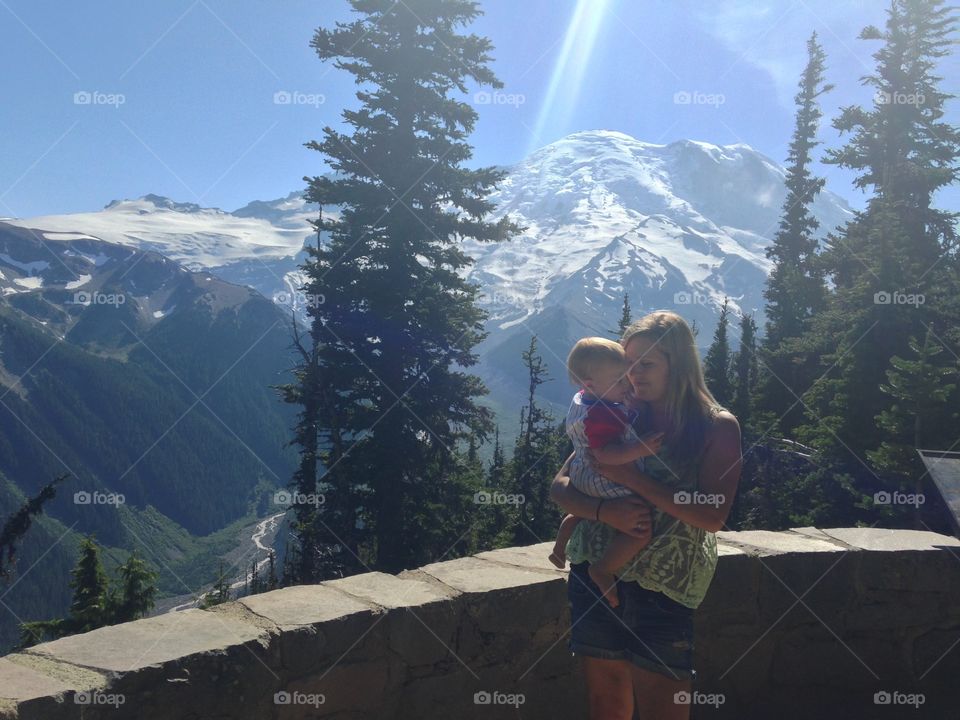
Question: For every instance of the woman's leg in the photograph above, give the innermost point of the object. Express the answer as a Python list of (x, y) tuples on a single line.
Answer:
[(654, 695), (608, 688)]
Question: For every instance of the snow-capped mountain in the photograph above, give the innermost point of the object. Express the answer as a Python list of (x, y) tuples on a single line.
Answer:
[(196, 237), (676, 226), (606, 213), (259, 245)]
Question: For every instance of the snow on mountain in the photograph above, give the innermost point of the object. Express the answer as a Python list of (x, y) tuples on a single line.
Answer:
[(676, 226), (196, 237)]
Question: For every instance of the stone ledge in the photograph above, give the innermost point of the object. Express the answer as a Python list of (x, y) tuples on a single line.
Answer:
[(152, 641), (765, 542), (419, 644)]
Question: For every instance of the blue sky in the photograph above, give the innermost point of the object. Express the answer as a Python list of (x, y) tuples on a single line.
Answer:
[(182, 93)]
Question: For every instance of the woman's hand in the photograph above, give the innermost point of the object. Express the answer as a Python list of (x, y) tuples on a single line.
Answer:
[(630, 515), (653, 441)]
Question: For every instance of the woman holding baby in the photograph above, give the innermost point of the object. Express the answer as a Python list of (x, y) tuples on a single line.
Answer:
[(637, 651)]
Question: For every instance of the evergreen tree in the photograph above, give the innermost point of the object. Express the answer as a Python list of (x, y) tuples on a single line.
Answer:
[(220, 592), (89, 610), (273, 582), (795, 290), (498, 462), (535, 459), (321, 543), (17, 525), (625, 320), (256, 582), (919, 388), (886, 263), (745, 373), (398, 322), (138, 590), (96, 601), (716, 364), (492, 525)]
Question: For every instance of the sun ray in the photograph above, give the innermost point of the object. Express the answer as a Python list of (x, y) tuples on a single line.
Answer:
[(568, 73)]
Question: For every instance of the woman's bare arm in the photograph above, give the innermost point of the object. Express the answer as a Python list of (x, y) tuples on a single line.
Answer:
[(718, 479), (630, 515)]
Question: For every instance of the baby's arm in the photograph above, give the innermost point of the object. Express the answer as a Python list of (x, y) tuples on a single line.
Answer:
[(621, 453)]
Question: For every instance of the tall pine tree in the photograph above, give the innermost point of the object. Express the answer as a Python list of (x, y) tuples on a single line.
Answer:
[(716, 363), (137, 593), (625, 319), (795, 290), (745, 374), (535, 458), (886, 263), (398, 323)]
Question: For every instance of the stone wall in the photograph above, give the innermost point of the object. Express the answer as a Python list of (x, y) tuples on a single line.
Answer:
[(804, 623)]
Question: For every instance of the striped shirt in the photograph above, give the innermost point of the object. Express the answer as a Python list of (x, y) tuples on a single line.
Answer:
[(594, 423)]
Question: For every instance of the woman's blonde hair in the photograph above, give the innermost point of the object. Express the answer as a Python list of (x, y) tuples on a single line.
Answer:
[(689, 403)]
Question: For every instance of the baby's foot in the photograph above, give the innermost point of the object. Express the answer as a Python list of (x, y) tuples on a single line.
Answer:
[(607, 584), (558, 558)]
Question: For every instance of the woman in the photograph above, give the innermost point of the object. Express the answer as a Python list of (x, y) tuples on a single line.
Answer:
[(641, 652)]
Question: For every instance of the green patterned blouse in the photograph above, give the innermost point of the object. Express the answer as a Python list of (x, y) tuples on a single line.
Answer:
[(680, 559)]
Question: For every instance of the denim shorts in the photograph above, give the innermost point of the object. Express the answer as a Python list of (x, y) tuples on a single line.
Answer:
[(647, 628)]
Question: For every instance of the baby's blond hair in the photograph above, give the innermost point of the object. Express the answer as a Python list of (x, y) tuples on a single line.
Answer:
[(591, 353)]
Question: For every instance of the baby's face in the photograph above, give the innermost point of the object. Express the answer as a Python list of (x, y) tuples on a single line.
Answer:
[(611, 383)]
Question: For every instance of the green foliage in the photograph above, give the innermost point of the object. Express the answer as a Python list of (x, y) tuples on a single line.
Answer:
[(219, 594), (795, 290), (842, 370), (919, 389), (137, 593), (96, 601), (537, 455), (103, 416), (716, 364), (625, 318), (89, 608), (17, 525), (886, 263), (398, 323), (745, 372)]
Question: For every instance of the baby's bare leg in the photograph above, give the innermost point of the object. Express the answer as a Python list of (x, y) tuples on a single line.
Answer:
[(619, 552), (559, 555)]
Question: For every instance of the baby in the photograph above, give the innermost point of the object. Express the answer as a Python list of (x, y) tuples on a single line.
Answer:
[(599, 420)]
